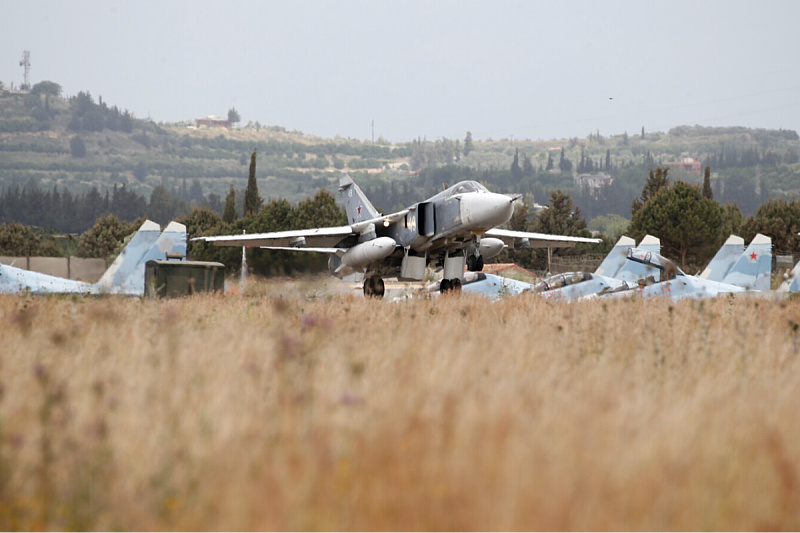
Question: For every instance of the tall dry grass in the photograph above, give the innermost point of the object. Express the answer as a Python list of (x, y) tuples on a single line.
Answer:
[(339, 413)]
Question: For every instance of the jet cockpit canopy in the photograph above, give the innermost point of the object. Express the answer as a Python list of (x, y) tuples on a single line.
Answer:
[(460, 188)]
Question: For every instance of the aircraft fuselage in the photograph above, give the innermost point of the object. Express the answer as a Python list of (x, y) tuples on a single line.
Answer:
[(441, 222)]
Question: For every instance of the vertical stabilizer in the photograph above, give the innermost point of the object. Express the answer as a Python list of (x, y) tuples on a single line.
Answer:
[(126, 261), (173, 239), (615, 259), (724, 259), (752, 269), (650, 244), (633, 271), (356, 204), (792, 281)]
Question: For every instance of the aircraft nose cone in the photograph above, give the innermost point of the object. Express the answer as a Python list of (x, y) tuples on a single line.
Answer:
[(484, 211)]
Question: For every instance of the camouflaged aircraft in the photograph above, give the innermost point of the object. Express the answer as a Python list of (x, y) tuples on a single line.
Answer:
[(747, 272), (453, 229), (124, 276)]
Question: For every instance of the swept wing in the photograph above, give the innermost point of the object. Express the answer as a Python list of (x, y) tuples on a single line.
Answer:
[(538, 240), (311, 240)]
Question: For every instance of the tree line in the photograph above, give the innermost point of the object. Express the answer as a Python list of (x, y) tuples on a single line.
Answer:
[(692, 225), (689, 221), (61, 210)]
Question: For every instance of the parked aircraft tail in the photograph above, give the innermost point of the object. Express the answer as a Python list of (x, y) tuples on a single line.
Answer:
[(723, 261), (792, 282), (356, 204), (125, 263), (171, 241), (632, 271), (615, 259), (124, 276), (752, 269)]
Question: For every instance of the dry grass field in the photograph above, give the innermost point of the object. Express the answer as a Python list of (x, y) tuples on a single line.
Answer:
[(331, 412)]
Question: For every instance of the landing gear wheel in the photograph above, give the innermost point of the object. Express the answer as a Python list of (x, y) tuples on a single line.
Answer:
[(445, 285), (380, 287), (374, 287), (474, 263), (456, 285)]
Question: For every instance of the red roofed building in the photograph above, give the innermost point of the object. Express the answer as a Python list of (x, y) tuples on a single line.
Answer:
[(687, 164), (213, 122)]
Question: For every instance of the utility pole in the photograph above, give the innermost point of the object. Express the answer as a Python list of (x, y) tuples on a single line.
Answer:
[(373, 131), (26, 64)]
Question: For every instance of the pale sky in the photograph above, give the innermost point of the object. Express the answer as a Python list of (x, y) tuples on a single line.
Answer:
[(519, 69)]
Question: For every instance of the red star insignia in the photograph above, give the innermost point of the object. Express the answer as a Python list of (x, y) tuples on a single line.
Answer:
[(753, 256)]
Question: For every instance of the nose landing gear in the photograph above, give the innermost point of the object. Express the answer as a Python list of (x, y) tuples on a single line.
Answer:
[(474, 257), (374, 287)]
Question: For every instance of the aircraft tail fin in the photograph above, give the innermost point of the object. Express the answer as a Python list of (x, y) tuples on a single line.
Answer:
[(154, 244), (632, 271), (752, 269), (615, 259), (126, 261), (792, 281), (172, 240), (650, 244), (724, 259), (356, 204)]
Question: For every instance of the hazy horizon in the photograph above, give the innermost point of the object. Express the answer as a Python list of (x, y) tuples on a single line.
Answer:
[(521, 70)]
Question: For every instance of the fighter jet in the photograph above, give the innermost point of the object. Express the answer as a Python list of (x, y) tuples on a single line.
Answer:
[(491, 286), (453, 229), (124, 276), (750, 272), (614, 274)]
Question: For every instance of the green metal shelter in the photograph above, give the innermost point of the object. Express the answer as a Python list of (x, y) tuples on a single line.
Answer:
[(169, 279)]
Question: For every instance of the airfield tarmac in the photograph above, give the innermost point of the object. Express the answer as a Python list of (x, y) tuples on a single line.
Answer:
[(298, 405)]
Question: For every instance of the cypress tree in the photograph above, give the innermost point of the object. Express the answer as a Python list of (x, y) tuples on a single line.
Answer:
[(229, 215), (516, 170), (707, 192), (468, 146), (252, 201)]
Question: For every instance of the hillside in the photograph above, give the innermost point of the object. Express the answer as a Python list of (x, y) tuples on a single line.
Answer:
[(79, 144)]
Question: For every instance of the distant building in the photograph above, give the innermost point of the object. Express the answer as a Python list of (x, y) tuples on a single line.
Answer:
[(594, 181), (213, 122), (687, 164)]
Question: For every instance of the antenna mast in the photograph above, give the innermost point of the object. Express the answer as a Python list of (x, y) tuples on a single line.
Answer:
[(26, 63)]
